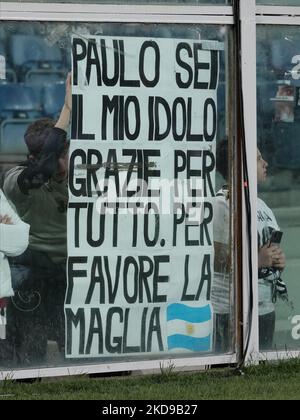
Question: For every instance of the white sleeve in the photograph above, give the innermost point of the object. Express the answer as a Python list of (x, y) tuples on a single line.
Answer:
[(13, 238)]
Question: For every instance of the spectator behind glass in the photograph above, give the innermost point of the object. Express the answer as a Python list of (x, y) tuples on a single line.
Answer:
[(38, 189), (271, 262), (221, 286), (14, 235)]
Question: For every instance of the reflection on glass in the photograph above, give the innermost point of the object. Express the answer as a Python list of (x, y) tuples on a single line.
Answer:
[(37, 61), (222, 290), (278, 2), (278, 134), (271, 264), (137, 2)]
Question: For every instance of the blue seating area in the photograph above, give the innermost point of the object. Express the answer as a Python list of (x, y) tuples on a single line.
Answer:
[(29, 52), (12, 134), (19, 106), (18, 101), (34, 86), (39, 77), (53, 97)]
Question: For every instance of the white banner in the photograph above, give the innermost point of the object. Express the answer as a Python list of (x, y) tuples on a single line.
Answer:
[(142, 181)]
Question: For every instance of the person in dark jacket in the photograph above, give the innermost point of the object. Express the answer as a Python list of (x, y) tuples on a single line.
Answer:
[(39, 191)]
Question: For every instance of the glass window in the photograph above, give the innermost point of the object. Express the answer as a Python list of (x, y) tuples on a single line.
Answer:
[(154, 2), (278, 2), (149, 104), (279, 185)]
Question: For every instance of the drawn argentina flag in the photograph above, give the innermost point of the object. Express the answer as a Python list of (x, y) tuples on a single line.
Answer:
[(190, 326)]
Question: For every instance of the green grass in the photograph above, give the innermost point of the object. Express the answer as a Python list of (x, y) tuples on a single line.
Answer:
[(279, 381)]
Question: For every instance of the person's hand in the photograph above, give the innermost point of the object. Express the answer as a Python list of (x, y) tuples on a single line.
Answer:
[(68, 97), (6, 220), (271, 256), (64, 117), (265, 256), (279, 260)]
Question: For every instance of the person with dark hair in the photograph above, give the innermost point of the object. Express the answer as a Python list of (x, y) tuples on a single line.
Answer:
[(38, 189), (36, 134), (221, 286), (271, 263)]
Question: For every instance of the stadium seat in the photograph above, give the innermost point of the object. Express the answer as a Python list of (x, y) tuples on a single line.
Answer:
[(32, 52), (37, 79), (12, 136), (41, 77), (53, 96), (10, 77), (18, 101)]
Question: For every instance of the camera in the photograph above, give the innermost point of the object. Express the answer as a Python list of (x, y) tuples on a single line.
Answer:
[(276, 237)]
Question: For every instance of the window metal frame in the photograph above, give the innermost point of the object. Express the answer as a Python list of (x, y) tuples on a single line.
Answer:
[(251, 15), (218, 15), (277, 15), (116, 13)]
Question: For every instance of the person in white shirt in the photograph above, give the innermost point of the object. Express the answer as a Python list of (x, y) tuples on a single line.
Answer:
[(14, 237), (271, 262)]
